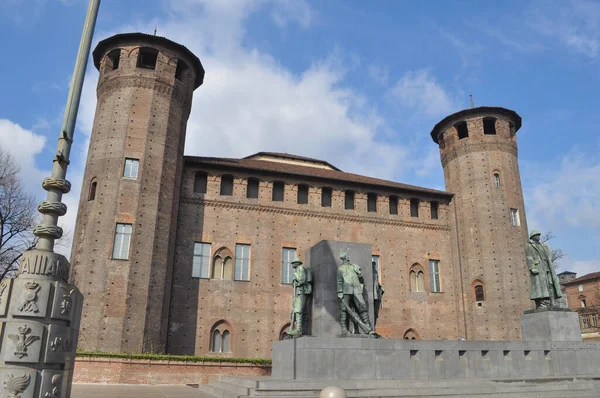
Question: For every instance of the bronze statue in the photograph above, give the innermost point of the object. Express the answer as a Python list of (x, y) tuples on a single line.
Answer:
[(378, 291), (302, 284), (545, 287), (350, 284)]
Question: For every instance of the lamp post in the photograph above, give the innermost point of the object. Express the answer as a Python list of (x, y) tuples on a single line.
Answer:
[(39, 310)]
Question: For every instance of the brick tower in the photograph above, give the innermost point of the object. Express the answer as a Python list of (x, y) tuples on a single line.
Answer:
[(478, 150), (123, 245)]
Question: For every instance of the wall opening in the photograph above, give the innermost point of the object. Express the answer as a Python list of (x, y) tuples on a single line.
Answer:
[(226, 185), (252, 188), (181, 70), (326, 194), (462, 130), (92, 194), (393, 205), (278, 191), (302, 194), (200, 182), (434, 210), (349, 200), (489, 125), (372, 202), (113, 59), (414, 207), (147, 58)]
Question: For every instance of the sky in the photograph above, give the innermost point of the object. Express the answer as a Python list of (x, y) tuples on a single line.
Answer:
[(358, 84)]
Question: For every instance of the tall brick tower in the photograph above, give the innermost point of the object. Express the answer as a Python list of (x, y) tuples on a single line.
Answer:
[(123, 246), (478, 150)]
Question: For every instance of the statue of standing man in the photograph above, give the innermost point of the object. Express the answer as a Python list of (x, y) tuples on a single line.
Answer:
[(545, 287), (350, 283), (302, 284)]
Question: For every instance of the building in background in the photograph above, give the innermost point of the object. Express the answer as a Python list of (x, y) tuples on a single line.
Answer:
[(583, 296), (191, 255)]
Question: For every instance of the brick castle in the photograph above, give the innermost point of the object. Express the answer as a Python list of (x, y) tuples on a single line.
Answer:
[(190, 255)]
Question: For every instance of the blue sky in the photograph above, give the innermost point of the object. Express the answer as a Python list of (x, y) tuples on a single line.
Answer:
[(359, 84)]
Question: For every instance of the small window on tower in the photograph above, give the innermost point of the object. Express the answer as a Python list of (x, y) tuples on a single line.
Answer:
[(180, 70), (92, 194), (489, 125), (393, 205), (147, 58), (514, 217), (497, 179), (462, 130), (326, 197), (226, 185), (130, 170), (479, 294), (252, 188), (113, 58)]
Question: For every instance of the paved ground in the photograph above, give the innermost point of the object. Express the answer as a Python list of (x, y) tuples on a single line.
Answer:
[(135, 391)]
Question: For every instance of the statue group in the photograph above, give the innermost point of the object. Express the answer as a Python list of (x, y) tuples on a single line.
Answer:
[(351, 293)]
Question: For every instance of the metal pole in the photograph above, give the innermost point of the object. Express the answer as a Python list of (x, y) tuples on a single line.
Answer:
[(56, 185)]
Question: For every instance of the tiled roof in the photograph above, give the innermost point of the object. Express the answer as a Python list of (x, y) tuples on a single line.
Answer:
[(292, 157), (307, 171), (585, 277)]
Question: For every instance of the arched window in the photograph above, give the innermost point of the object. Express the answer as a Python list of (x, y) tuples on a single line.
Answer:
[(417, 278), (200, 181), (252, 188), (226, 185), (489, 125), (372, 202), (411, 334), (92, 194), (113, 58), (462, 130), (302, 198), (223, 264), (497, 179), (147, 58), (180, 71), (220, 337), (479, 295)]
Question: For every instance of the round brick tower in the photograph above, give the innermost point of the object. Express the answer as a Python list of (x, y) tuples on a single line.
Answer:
[(478, 150), (122, 255)]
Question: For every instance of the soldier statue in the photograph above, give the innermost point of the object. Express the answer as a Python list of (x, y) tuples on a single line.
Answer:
[(378, 291), (302, 285), (545, 287), (350, 284)]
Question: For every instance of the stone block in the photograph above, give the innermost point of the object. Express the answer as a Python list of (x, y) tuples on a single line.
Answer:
[(64, 305), (324, 260), (54, 384), (551, 326), (30, 297), (18, 382), (60, 344), (5, 288), (22, 342)]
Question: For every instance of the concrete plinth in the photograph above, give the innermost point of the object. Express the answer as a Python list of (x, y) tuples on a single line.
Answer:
[(552, 325), (324, 259), (311, 358)]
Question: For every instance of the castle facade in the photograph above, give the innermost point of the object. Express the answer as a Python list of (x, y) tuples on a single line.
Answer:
[(191, 255)]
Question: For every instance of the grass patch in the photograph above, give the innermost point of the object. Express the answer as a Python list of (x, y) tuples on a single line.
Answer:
[(169, 357)]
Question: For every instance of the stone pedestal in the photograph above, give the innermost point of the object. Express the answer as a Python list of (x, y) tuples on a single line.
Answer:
[(324, 259), (550, 325), (39, 323)]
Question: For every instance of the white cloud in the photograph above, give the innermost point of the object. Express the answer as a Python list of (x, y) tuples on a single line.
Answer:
[(286, 11), (380, 74), (419, 91)]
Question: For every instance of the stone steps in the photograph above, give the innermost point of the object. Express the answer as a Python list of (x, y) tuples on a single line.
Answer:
[(234, 387)]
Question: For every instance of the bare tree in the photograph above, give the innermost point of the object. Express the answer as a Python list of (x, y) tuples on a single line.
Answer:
[(555, 254), (18, 216)]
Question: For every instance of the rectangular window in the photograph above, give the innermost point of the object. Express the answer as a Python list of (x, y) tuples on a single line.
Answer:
[(242, 262), (122, 240), (375, 260), (131, 168), (252, 188), (372, 202), (580, 288), (349, 200), (287, 271), (434, 210), (497, 180), (147, 58), (434, 276), (393, 205), (582, 303), (302, 194), (278, 190), (201, 263), (514, 217), (414, 207), (326, 197)]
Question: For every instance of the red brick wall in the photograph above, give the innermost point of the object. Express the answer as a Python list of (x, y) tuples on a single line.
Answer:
[(127, 371), (590, 293)]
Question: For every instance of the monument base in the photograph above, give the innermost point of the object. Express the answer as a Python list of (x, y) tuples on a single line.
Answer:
[(550, 325), (385, 359)]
